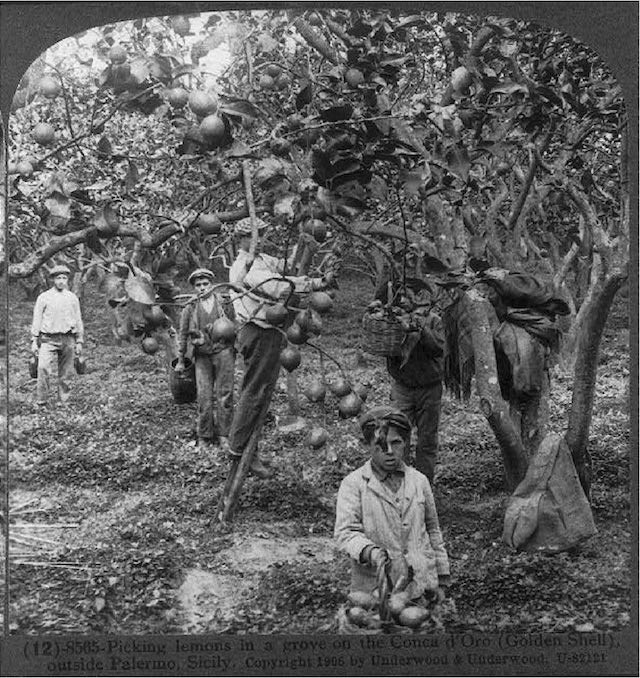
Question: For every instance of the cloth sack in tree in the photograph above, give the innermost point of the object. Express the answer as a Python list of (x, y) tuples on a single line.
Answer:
[(549, 511), (537, 324), (524, 290), (520, 360)]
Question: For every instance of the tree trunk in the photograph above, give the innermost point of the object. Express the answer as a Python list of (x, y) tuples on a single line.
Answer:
[(594, 285), (587, 350), (531, 418), (293, 397), (459, 241), (493, 407)]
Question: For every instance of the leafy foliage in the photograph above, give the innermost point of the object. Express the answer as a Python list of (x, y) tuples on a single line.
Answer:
[(345, 102)]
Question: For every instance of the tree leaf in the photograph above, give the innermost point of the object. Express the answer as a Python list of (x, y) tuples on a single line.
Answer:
[(378, 188), (240, 107), (304, 95), (112, 286), (131, 177), (416, 179), (268, 169), (238, 150), (139, 71), (383, 102), (139, 290), (434, 265), (336, 113), (160, 68), (410, 21), (285, 205), (59, 207), (458, 162), (510, 88), (92, 241), (509, 48), (105, 149), (106, 218)]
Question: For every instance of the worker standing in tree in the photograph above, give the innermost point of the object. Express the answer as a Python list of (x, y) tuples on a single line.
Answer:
[(57, 335), (214, 359), (258, 341)]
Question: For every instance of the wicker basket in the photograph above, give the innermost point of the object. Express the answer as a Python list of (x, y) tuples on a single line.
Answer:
[(183, 384), (382, 336), (346, 626)]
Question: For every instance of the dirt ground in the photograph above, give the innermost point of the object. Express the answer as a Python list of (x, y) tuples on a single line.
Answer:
[(111, 504)]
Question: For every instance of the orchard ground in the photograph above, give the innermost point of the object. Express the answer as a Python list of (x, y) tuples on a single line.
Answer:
[(121, 494)]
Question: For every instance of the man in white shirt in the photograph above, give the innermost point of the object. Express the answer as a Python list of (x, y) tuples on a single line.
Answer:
[(57, 335), (258, 341)]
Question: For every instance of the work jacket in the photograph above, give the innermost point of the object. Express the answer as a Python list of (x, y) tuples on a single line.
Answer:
[(422, 360), (405, 524), (195, 319)]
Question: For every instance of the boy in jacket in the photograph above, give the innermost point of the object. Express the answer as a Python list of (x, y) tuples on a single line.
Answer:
[(386, 510), (214, 360)]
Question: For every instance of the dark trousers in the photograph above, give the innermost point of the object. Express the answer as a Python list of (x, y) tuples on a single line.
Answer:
[(422, 407), (214, 384), (260, 348)]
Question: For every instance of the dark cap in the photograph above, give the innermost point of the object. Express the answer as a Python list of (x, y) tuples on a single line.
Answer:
[(385, 413)]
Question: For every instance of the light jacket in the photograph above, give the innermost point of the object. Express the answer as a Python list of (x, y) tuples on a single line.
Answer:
[(367, 514), (253, 307)]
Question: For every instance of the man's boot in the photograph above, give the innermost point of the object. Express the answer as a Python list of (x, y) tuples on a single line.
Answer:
[(257, 468)]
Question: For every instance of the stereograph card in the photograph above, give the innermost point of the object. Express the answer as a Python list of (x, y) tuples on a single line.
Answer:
[(320, 338)]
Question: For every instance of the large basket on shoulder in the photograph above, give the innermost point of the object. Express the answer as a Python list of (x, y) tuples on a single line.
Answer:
[(382, 336)]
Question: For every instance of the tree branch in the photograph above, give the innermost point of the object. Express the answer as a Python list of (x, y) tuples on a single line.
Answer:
[(315, 40), (246, 175), (336, 29), (34, 260)]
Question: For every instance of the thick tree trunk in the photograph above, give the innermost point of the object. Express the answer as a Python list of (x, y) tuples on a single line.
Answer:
[(531, 418), (587, 350), (588, 299), (492, 405)]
